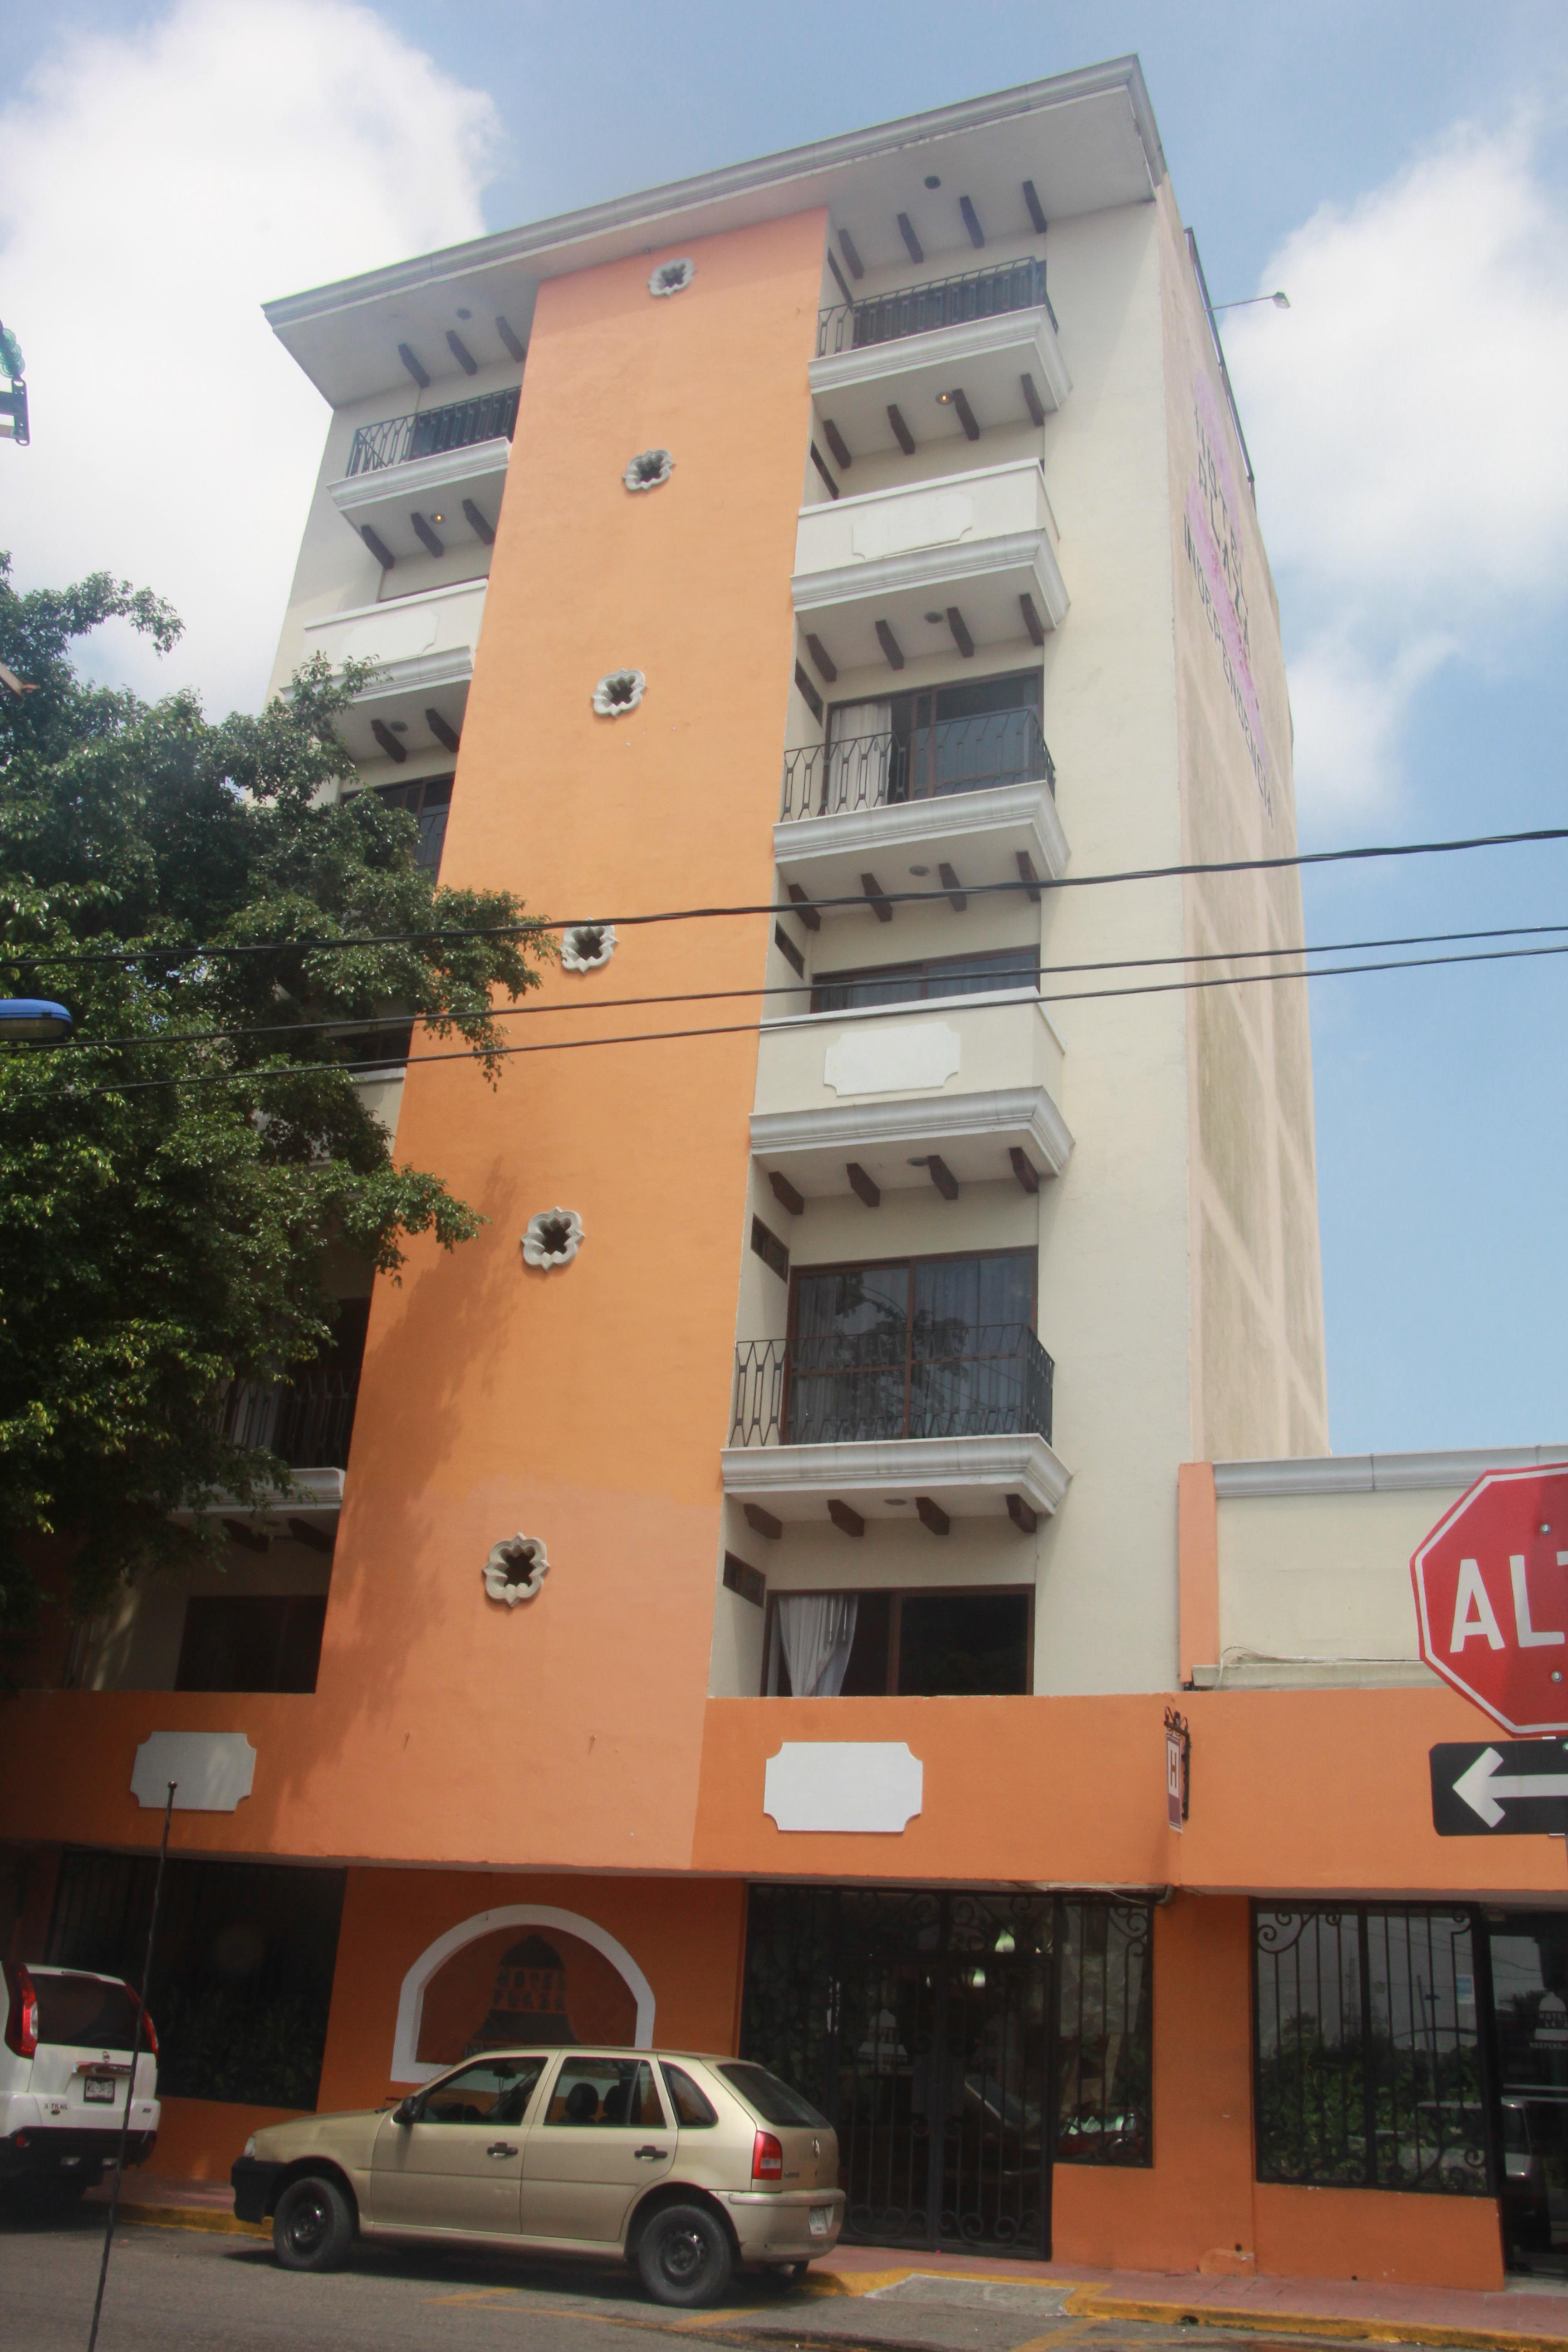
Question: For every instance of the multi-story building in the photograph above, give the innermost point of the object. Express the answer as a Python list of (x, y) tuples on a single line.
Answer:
[(815, 584)]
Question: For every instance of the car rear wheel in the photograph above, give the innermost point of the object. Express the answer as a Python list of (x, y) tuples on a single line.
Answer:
[(313, 2226), (684, 2257)]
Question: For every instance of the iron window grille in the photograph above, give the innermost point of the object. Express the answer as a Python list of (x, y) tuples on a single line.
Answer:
[(959, 2043), (1370, 2070), (941, 302), (431, 432), (937, 976)]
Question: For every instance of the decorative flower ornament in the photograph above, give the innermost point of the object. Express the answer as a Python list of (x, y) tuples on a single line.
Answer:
[(588, 947), (649, 469), (620, 691), (516, 1569), (553, 1238), (673, 278)]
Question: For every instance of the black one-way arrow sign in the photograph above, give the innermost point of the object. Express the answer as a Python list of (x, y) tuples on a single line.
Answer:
[(1512, 1788)]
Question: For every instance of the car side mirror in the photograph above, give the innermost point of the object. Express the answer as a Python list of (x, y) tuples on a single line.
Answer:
[(407, 2111)]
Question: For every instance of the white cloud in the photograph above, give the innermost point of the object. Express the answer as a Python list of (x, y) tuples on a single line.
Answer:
[(1405, 417), (158, 187)]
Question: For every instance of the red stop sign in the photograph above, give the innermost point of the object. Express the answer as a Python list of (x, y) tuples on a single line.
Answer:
[(1491, 1592)]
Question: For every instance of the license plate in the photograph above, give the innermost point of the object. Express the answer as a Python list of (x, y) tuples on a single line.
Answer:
[(100, 2088), (816, 2220)]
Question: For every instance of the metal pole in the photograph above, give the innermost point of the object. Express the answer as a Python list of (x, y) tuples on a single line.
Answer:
[(130, 2086)]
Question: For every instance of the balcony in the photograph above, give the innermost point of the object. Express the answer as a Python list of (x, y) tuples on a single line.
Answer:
[(307, 1420), (429, 484), (426, 644), (967, 559), (976, 794), (435, 432), (964, 1431), (984, 344), (959, 1093)]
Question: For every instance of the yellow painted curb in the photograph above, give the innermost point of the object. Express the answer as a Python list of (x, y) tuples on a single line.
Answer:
[(192, 2217), (1085, 2304)]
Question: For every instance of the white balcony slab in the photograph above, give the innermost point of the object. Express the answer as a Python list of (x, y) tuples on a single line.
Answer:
[(986, 359), (425, 645), (837, 1087), (970, 1477), (977, 541), (980, 835), (865, 1787), (389, 496), (313, 1495)]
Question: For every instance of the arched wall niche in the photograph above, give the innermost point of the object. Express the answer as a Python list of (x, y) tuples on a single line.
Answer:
[(450, 1998)]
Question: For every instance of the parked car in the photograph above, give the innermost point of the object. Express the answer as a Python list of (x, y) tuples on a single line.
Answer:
[(682, 2165), (65, 2076)]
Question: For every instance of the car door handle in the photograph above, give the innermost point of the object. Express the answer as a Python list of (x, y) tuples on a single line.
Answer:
[(650, 2151), (501, 2147)]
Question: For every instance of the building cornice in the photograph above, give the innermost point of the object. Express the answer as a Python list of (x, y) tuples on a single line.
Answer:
[(1371, 1474)]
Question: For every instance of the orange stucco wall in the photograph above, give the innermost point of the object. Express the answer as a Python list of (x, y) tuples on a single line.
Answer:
[(587, 1406)]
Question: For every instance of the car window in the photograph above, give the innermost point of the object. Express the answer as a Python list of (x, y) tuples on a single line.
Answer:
[(92, 2012), (494, 2091), (694, 2111), (770, 2099), (609, 2091)]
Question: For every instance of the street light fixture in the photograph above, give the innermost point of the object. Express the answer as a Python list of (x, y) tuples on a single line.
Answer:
[(14, 403), (34, 1021), (1280, 302)]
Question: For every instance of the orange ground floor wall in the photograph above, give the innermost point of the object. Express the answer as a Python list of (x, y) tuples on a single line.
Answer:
[(1197, 2208)]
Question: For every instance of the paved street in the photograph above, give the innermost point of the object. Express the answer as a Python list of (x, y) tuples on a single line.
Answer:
[(189, 2288)]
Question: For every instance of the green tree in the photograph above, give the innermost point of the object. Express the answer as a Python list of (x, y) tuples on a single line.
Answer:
[(175, 1183)]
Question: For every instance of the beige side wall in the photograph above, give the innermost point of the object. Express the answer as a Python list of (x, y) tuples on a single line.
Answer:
[(1257, 1334), (1316, 1589)]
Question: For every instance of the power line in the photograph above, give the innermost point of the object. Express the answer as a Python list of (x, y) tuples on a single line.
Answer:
[(347, 1028), (533, 924), (753, 1028)]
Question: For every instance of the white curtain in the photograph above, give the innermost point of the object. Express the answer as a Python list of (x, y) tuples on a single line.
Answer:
[(817, 1630), (859, 755)]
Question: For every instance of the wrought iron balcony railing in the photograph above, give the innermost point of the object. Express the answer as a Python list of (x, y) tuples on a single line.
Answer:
[(995, 1381), (944, 302), (955, 755), (432, 431), (308, 1419)]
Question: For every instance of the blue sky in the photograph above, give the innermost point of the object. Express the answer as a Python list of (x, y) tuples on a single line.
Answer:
[(1400, 168)]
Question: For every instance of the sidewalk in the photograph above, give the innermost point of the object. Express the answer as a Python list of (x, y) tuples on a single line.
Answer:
[(1521, 2317)]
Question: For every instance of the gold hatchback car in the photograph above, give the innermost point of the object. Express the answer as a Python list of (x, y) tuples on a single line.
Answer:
[(682, 2165)]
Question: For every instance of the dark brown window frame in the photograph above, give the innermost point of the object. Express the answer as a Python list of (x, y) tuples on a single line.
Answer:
[(924, 965), (896, 1594)]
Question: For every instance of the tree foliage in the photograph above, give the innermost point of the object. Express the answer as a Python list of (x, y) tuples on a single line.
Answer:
[(176, 1184)]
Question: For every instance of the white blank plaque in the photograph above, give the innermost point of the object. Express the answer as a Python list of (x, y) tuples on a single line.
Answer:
[(872, 1787), (212, 1770)]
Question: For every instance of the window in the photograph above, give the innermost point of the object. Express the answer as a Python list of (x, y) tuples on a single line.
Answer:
[(948, 738), (770, 1249), (694, 2111), (251, 1642), (924, 1348), (497, 2091), (242, 1976), (84, 2011), (903, 1645), (610, 2091), (1367, 2058), (773, 2100), (428, 799), (899, 983)]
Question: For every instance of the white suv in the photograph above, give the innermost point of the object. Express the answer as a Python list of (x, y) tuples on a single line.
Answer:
[(65, 2074)]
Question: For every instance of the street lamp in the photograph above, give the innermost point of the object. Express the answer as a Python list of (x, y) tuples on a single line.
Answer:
[(14, 403), (34, 1021), (1280, 302)]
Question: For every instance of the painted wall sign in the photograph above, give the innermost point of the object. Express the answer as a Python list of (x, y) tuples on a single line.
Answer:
[(212, 1770), (870, 1786), (1212, 543)]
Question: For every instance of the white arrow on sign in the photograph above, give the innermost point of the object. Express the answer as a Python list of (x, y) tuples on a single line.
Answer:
[(1481, 1788)]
